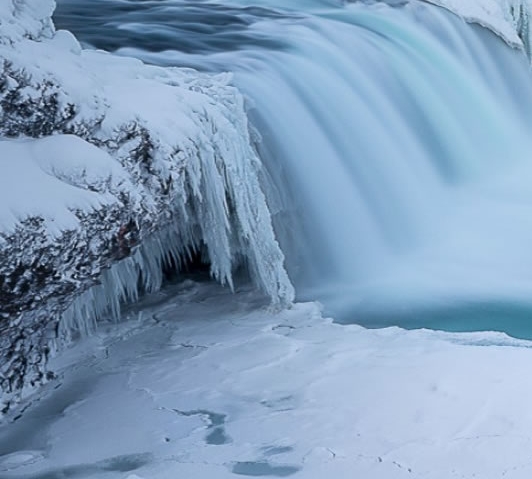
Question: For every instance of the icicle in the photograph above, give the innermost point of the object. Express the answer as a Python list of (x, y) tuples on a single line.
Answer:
[(518, 13), (122, 283)]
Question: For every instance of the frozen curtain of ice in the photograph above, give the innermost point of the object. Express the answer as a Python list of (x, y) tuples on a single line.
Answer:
[(181, 176)]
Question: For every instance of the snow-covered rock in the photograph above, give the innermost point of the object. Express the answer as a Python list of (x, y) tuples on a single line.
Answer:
[(25, 19), (110, 169), (508, 18)]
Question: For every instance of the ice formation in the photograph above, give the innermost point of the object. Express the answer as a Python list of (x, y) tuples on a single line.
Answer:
[(110, 169), (518, 12)]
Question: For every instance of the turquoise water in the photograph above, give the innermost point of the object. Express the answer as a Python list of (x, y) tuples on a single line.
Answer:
[(396, 141), (510, 318)]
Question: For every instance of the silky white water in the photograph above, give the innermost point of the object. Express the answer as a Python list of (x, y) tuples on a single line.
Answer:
[(397, 143)]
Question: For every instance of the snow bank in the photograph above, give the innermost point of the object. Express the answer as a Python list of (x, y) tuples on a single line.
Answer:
[(111, 169)]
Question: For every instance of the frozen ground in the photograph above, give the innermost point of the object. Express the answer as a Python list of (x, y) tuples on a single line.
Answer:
[(210, 385)]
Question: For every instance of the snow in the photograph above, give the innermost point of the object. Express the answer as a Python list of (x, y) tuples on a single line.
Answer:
[(200, 383), (25, 19), (501, 16), (52, 177)]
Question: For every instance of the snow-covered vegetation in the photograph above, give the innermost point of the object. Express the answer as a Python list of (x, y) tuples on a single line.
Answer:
[(26, 19)]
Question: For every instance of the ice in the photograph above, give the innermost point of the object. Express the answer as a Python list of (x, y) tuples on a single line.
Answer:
[(518, 13), (123, 282), (208, 384)]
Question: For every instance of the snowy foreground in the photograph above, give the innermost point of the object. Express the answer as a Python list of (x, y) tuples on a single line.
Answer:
[(209, 385)]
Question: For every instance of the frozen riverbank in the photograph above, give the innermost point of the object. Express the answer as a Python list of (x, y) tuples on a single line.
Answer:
[(207, 384)]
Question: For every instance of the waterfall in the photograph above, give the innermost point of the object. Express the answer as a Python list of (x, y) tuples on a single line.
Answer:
[(397, 141)]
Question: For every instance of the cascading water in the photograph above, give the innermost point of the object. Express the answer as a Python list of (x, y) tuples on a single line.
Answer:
[(397, 141)]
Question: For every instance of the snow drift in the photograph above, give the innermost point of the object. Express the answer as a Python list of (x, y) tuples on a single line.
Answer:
[(110, 169)]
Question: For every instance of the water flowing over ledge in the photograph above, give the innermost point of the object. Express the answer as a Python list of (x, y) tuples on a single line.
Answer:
[(110, 170), (399, 136)]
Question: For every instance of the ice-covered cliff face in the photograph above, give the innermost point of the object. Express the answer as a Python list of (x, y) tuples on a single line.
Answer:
[(111, 169)]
